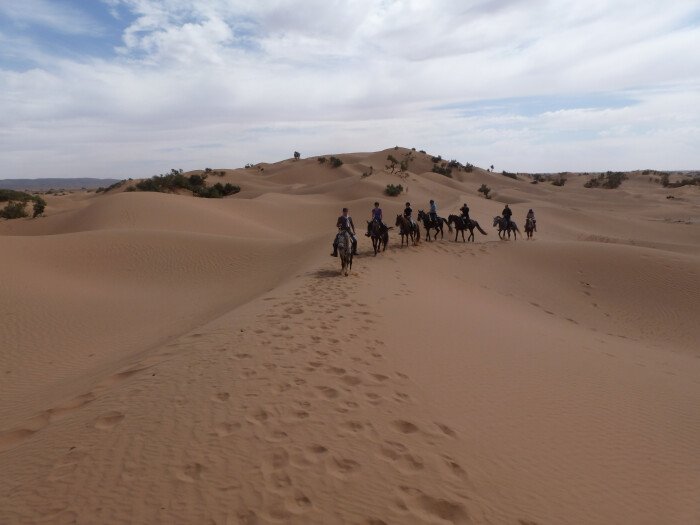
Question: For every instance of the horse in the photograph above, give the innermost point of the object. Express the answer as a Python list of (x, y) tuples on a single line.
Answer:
[(529, 227), (408, 230), (430, 224), (345, 252), (461, 225), (379, 235), (502, 230)]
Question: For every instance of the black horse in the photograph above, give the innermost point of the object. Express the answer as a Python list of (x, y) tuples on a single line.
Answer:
[(379, 233), (461, 224), (500, 222), (430, 224), (529, 227)]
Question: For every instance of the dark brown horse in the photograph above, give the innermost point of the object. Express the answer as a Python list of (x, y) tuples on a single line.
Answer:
[(502, 229), (408, 230), (529, 227), (379, 235), (461, 224), (430, 224)]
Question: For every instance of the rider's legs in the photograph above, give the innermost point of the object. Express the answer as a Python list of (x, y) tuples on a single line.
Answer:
[(433, 217), (335, 247)]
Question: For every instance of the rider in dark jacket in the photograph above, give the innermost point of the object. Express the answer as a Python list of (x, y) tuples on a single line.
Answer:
[(465, 214), (408, 212), (345, 224), (507, 213), (531, 215)]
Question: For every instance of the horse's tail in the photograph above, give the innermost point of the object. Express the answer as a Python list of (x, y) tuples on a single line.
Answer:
[(479, 228)]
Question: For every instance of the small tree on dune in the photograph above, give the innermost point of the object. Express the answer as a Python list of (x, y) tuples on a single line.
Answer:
[(297, 155)]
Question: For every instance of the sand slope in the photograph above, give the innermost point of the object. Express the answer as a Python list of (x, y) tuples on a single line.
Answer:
[(167, 359)]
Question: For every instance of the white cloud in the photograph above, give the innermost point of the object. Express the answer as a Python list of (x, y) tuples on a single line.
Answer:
[(263, 79)]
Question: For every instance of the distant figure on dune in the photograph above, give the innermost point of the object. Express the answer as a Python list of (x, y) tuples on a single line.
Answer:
[(345, 224)]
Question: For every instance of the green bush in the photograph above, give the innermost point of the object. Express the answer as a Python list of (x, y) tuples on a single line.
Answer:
[(297, 155), (435, 160), (14, 210), (194, 183), (608, 180), (336, 162), (559, 180), (485, 190), (393, 191), (321, 160), (442, 170), (12, 195), (39, 206), (509, 175)]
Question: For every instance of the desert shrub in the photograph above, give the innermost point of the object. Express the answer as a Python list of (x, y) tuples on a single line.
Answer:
[(492, 168), (13, 195), (392, 163), (321, 160), (454, 164), (688, 181), (608, 180), (413, 149), (130, 188), (14, 210), (393, 190), (468, 167), (435, 160), (508, 174), (207, 170), (485, 190), (559, 180), (422, 151), (249, 165), (39, 206), (217, 191), (336, 162), (442, 170), (297, 155)]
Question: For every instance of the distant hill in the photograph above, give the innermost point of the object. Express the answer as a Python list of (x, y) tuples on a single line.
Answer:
[(56, 184)]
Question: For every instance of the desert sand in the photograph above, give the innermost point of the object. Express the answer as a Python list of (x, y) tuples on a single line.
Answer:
[(170, 359)]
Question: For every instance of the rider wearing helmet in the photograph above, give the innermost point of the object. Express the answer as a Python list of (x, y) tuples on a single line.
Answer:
[(345, 224), (507, 213), (531, 215)]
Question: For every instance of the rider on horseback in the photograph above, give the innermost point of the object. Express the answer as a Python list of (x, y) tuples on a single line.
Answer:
[(345, 224), (531, 215), (376, 216), (507, 213), (464, 210), (408, 212), (433, 212)]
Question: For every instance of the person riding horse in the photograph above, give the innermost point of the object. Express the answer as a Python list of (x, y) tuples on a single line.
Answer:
[(345, 224), (376, 217), (464, 211), (433, 212), (507, 213), (408, 213), (531, 215)]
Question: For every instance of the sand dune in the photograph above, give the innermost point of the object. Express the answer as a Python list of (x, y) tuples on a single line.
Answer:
[(169, 359)]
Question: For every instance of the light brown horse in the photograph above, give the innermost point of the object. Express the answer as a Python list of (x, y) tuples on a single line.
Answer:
[(408, 230)]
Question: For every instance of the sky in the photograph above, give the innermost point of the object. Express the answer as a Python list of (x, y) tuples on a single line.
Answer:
[(132, 88)]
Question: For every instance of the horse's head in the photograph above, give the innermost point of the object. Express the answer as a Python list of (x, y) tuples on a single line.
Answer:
[(421, 215), (497, 220), (398, 220)]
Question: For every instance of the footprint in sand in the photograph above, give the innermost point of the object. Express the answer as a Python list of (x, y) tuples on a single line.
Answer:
[(226, 429), (221, 397), (405, 427), (189, 473), (109, 420)]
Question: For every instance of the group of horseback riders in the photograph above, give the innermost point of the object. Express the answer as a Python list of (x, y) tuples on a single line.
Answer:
[(345, 223)]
